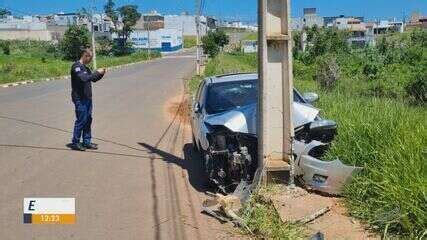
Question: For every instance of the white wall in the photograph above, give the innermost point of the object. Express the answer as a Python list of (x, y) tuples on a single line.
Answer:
[(39, 35), (186, 24), (139, 38)]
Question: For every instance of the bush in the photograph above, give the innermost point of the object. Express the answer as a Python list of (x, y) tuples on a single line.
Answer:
[(74, 39), (7, 68), (54, 49), (5, 46), (213, 42), (120, 48), (417, 88), (328, 72), (104, 46), (209, 45), (323, 41), (373, 62)]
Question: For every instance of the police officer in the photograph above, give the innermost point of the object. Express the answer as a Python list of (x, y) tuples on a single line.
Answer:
[(81, 94)]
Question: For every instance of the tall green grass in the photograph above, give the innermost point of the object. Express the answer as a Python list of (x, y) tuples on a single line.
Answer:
[(389, 140), (386, 136)]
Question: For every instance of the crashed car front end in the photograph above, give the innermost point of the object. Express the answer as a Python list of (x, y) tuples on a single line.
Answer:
[(232, 154)]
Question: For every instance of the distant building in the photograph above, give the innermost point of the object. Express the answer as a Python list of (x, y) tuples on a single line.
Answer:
[(26, 28), (329, 21), (150, 21), (417, 21), (51, 28), (309, 19), (297, 24), (250, 46), (65, 19), (164, 40), (385, 26), (187, 24), (356, 29)]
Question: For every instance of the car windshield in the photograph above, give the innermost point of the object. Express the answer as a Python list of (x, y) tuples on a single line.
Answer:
[(226, 96)]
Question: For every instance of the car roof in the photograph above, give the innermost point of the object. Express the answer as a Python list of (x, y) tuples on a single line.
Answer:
[(233, 77)]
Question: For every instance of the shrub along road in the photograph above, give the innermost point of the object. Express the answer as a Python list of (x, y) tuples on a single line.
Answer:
[(140, 184)]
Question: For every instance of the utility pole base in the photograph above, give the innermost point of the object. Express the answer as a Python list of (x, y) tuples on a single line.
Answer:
[(276, 171)]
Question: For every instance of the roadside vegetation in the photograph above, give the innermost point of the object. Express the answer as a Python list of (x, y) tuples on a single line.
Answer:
[(264, 222), (213, 42), (252, 36), (32, 60), (378, 97), (190, 41)]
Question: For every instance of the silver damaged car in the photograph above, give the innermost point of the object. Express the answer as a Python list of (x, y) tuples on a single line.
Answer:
[(223, 120)]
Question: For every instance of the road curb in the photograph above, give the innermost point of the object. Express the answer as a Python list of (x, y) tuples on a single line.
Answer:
[(66, 77)]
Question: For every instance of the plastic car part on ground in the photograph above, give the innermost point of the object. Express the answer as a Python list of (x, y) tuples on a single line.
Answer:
[(324, 176)]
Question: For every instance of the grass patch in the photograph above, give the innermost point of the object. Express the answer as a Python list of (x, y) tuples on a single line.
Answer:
[(190, 41), (231, 63), (225, 63), (30, 60), (251, 36), (264, 221), (386, 135)]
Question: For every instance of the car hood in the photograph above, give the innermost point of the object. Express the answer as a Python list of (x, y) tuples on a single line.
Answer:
[(243, 119)]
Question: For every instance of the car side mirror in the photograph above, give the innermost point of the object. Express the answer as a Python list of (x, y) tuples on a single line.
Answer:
[(197, 108), (310, 97)]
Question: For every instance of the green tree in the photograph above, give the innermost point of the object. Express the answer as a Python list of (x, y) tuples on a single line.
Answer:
[(4, 12), (111, 12), (221, 38), (210, 47), (74, 39), (129, 15), (324, 40), (213, 42)]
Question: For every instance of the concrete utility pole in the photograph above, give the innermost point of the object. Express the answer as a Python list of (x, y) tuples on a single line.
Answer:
[(149, 40), (198, 9), (93, 47), (93, 36), (275, 126)]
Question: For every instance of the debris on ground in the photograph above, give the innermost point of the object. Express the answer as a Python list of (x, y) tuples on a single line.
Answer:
[(225, 207), (296, 205), (320, 214)]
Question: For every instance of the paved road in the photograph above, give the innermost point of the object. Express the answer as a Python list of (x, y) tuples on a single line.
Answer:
[(143, 182)]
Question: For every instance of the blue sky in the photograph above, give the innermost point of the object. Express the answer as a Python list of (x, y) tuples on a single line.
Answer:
[(234, 9)]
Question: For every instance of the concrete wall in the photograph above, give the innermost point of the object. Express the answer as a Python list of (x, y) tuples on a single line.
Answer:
[(158, 39), (186, 24), (39, 35)]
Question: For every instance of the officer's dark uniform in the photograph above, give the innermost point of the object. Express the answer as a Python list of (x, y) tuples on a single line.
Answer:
[(81, 84)]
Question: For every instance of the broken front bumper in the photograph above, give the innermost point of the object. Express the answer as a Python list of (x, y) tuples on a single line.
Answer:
[(324, 176)]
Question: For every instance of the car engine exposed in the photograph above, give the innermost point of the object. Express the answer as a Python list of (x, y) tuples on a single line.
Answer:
[(231, 157)]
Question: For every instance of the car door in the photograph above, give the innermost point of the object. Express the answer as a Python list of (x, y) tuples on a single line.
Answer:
[(196, 112)]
